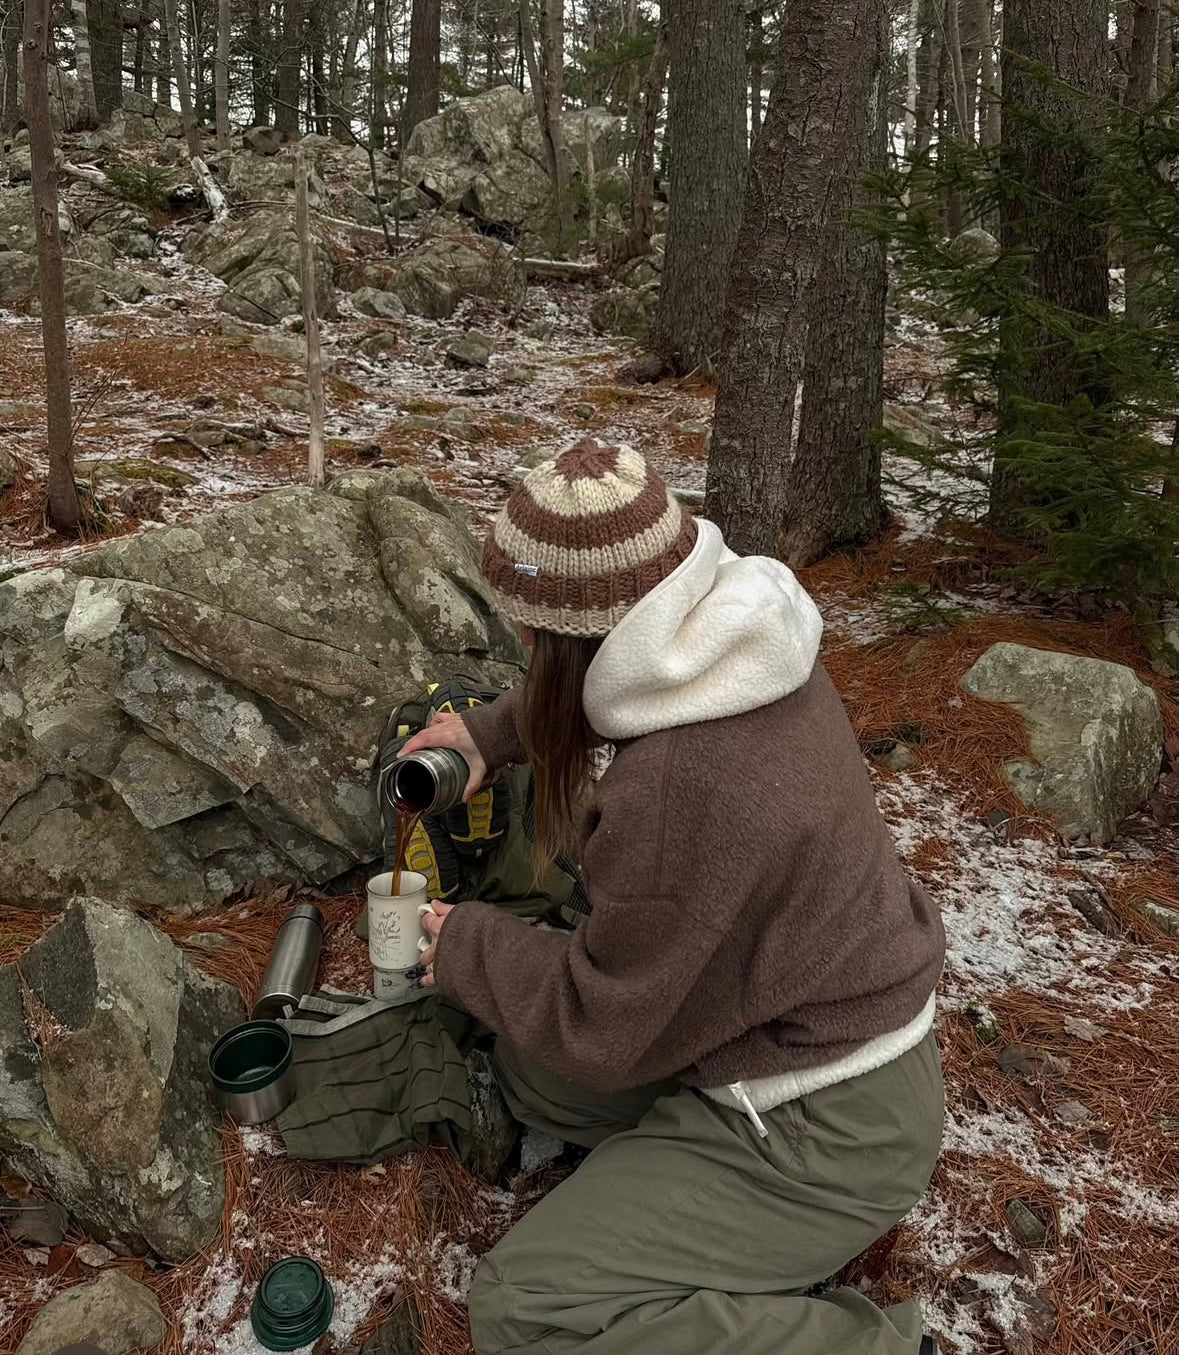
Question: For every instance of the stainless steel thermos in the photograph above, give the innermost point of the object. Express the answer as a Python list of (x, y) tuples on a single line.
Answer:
[(290, 971), (427, 782)]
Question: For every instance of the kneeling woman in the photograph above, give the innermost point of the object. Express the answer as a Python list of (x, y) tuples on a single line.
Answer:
[(742, 1029)]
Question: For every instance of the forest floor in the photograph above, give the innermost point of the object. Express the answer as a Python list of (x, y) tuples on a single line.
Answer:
[(1058, 1039)]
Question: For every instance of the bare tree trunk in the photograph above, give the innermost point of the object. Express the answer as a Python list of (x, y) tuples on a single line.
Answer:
[(310, 322), (1066, 246), (990, 128), (795, 167), (1141, 92), (261, 68), (929, 62), (163, 58), (343, 119), (221, 77), (642, 169), (425, 38), (65, 508), (544, 74), (755, 73), (630, 22), (187, 117), (87, 107), (10, 34), (706, 128), (911, 77), (286, 112), (319, 79), (142, 38), (379, 73), (959, 130), (105, 27), (974, 19), (834, 492)]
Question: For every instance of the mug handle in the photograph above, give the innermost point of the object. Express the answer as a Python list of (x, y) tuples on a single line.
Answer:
[(424, 942), (424, 908)]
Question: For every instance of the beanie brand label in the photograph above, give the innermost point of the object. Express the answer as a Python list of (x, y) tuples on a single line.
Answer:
[(531, 570)]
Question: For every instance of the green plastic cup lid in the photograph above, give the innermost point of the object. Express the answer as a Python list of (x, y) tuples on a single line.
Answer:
[(293, 1305)]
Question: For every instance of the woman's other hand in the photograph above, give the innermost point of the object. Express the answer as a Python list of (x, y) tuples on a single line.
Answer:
[(433, 922), (446, 730)]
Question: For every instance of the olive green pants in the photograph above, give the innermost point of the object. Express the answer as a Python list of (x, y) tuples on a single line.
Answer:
[(685, 1232)]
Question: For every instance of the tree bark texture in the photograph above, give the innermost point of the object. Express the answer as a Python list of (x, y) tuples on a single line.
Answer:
[(221, 74), (642, 168), (188, 121), (544, 74), (286, 112), (794, 172), (105, 21), (379, 77), (1049, 214), (315, 446), (425, 38), (990, 120), (87, 107), (342, 122), (65, 508), (755, 73), (834, 491), (929, 60), (707, 131), (261, 67), (10, 38)]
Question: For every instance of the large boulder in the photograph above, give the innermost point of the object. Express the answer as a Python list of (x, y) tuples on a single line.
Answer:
[(628, 311), (432, 280), (258, 260), (112, 1313), (191, 710), (1094, 729), (482, 155), (105, 1099)]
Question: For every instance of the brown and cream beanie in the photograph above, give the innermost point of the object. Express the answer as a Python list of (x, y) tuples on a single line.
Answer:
[(583, 538)]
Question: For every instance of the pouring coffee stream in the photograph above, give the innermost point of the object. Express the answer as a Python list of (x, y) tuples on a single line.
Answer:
[(426, 782)]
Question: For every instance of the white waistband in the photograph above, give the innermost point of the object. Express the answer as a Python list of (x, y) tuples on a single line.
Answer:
[(764, 1093)]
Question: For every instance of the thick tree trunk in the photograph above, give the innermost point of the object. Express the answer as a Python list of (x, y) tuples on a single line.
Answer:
[(319, 78), (1051, 216), (65, 508), (755, 73), (180, 70), (425, 38), (990, 123), (142, 50), (10, 35), (706, 128), (221, 77), (105, 18), (929, 63), (87, 106), (796, 166), (834, 492), (544, 73), (911, 44), (261, 67), (379, 74), (642, 168), (286, 112), (1141, 92)]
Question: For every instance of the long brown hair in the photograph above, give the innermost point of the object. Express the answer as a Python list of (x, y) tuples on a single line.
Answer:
[(558, 740)]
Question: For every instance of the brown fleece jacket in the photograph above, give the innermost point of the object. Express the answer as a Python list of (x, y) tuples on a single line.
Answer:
[(750, 914)]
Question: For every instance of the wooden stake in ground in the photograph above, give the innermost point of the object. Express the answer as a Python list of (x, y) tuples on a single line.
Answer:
[(310, 322), (65, 507)]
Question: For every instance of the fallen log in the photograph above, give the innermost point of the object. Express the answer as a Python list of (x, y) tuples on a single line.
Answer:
[(568, 270)]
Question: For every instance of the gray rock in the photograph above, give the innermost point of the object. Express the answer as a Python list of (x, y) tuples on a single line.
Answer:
[(19, 163), (384, 305), (18, 276), (7, 469), (1028, 1229), (977, 243), (258, 260), (1094, 728), (493, 1130), (469, 350), (905, 423), (262, 140), (432, 280), (899, 758), (1164, 918), (295, 398), (625, 310), (113, 1313), (113, 1114), (30, 1219), (195, 708), (277, 345)]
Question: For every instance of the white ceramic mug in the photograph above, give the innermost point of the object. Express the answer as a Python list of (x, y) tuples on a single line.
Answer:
[(396, 936)]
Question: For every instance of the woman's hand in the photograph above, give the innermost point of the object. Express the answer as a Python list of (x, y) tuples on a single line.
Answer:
[(433, 922), (446, 730)]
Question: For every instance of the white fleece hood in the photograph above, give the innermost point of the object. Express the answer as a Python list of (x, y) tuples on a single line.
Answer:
[(722, 634)]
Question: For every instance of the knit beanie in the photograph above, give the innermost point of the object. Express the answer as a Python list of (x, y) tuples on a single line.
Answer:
[(583, 538)]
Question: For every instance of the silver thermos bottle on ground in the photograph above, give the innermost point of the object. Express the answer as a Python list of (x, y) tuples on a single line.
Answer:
[(290, 971)]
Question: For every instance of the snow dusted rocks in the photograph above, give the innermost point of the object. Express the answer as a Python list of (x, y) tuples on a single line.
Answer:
[(113, 1313), (1094, 727), (104, 1094), (190, 710)]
